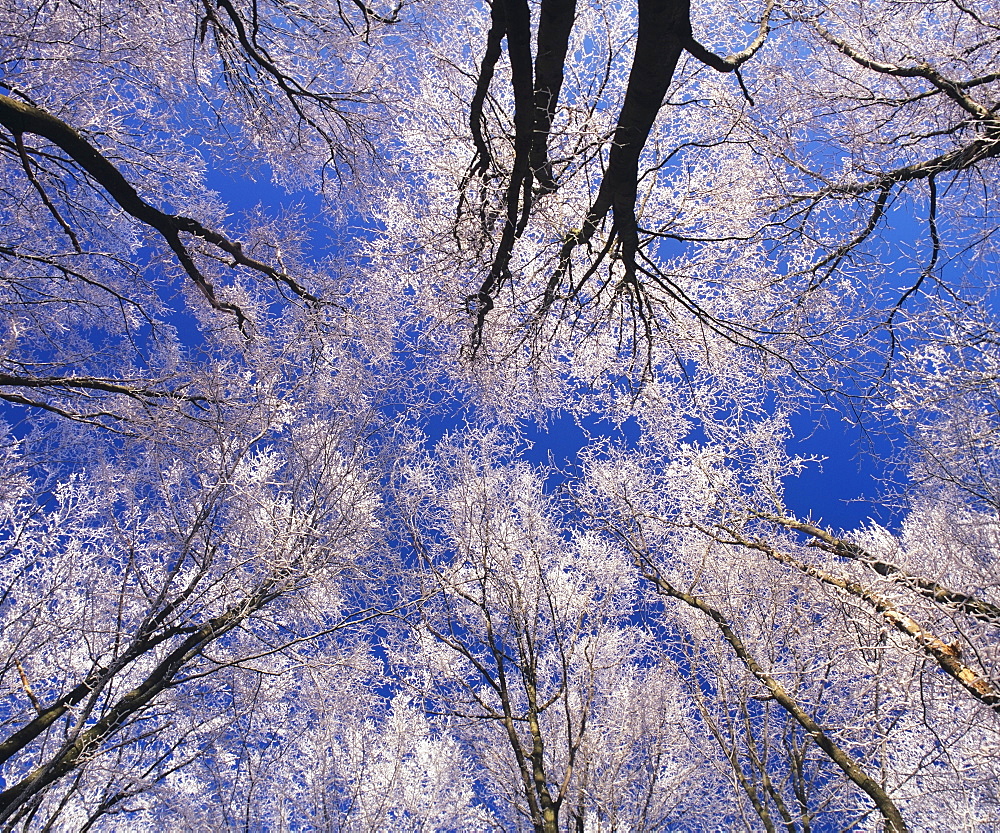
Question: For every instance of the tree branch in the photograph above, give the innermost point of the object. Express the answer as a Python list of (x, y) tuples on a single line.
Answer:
[(851, 768), (964, 602), (946, 656), (19, 118)]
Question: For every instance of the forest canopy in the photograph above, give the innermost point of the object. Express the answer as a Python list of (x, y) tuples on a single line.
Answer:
[(405, 409)]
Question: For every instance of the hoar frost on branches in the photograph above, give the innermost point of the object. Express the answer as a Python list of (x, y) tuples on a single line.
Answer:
[(277, 548)]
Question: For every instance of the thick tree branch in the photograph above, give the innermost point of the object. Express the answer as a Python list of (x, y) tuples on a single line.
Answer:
[(79, 745), (517, 18), (555, 23), (851, 768), (953, 89), (95, 679), (947, 656), (664, 31), (733, 62), (138, 391), (483, 160), (960, 159), (964, 602), (19, 118)]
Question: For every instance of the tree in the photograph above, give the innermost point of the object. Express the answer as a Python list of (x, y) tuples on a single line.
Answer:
[(108, 203), (175, 538), (869, 644), (530, 646), (280, 550), (764, 203), (134, 594)]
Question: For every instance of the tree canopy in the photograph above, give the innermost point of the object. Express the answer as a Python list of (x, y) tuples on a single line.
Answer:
[(296, 298)]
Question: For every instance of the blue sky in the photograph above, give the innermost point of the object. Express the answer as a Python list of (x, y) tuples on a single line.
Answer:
[(844, 490)]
